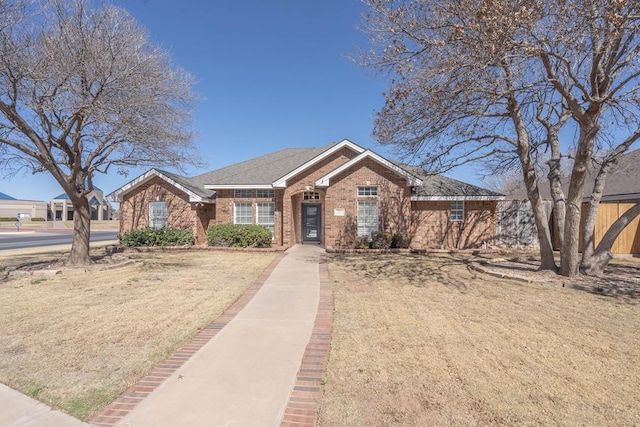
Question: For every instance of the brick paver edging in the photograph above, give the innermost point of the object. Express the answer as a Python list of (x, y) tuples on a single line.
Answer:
[(118, 409), (303, 407)]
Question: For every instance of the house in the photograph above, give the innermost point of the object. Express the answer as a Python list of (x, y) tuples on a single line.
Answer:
[(10, 207), (328, 195), (515, 224), (61, 208)]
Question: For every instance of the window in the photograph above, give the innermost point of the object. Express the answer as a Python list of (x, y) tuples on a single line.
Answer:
[(264, 194), (265, 216), (242, 213), (243, 194), (457, 210), (311, 195), (157, 214), (367, 217), (367, 191)]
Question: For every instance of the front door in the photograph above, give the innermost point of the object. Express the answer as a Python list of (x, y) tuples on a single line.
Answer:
[(311, 222)]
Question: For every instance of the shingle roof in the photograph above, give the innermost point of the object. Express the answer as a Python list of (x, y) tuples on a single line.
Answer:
[(438, 186), (190, 185), (6, 197), (262, 170), (623, 182)]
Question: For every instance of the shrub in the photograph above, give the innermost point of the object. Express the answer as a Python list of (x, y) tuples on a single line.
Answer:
[(157, 237), (7, 219), (239, 235), (362, 242), (401, 239), (380, 240), (38, 219)]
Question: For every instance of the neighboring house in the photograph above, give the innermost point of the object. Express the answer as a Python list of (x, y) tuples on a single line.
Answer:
[(515, 220), (61, 208), (328, 195), (11, 207)]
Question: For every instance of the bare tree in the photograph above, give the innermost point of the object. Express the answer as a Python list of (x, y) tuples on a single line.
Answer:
[(498, 81), (84, 91)]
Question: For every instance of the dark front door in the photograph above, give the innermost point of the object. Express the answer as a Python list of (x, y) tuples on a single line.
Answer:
[(311, 222)]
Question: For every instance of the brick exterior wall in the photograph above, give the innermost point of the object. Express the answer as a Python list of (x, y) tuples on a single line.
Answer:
[(182, 214), (432, 227), (426, 221)]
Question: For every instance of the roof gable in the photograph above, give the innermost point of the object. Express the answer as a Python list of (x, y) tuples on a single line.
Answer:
[(259, 172), (195, 194), (282, 181), (412, 180)]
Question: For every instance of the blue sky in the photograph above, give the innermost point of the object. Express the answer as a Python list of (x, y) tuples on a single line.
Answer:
[(272, 74)]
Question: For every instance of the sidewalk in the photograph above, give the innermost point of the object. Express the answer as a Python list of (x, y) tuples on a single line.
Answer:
[(18, 410), (259, 364), (247, 371)]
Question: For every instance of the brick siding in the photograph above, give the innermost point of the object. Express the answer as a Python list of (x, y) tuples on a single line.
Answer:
[(182, 214), (426, 221)]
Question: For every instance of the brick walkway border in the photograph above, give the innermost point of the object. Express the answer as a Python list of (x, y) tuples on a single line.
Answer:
[(118, 409), (303, 407)]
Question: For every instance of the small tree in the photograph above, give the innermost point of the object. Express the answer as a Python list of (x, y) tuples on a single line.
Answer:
[(82, 91)]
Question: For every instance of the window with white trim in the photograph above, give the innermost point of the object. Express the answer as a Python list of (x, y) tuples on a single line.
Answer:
[(265, 215), (311, 195), (264, 194), (457, 210), (243, 194), (242, 213), (367, 217), (158, 214), (367, 191)]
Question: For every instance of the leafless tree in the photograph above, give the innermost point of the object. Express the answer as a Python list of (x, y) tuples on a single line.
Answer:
[(84, 91), (507, 82)]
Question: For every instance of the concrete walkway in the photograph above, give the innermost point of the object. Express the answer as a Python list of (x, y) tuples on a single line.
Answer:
[(18, 410), (245, 374), (259, 367)]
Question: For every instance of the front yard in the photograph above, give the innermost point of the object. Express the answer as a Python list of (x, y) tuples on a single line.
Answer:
[(77, 340), (419, 340)]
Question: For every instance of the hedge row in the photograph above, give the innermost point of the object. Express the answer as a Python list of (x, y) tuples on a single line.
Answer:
[(157, 237), (239, 235)]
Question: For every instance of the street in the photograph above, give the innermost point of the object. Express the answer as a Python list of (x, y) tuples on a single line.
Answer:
[(10, 239)]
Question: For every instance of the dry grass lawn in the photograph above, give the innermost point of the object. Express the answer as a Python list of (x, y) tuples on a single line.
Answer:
[(419, 340), (77, 340)]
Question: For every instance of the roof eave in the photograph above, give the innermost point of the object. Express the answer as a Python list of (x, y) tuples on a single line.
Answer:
[(412, 180), (457, 198), (237, 186), (116, 196), (282, 182)]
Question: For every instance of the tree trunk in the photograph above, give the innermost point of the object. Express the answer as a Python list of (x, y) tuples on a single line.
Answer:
[(555, 185), (81, 226), (602, 254), (570, 253)]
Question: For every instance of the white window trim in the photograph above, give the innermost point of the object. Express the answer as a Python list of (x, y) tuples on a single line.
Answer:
[(370, 227), (364, 188), (462, 210), (235, 212), (270, 225), (155, 218)]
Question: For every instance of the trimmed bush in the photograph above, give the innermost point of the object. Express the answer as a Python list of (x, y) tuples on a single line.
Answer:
[(381, 240), (362, 242), (401, 240), (38, 219), (157, 237), (239, 235)]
